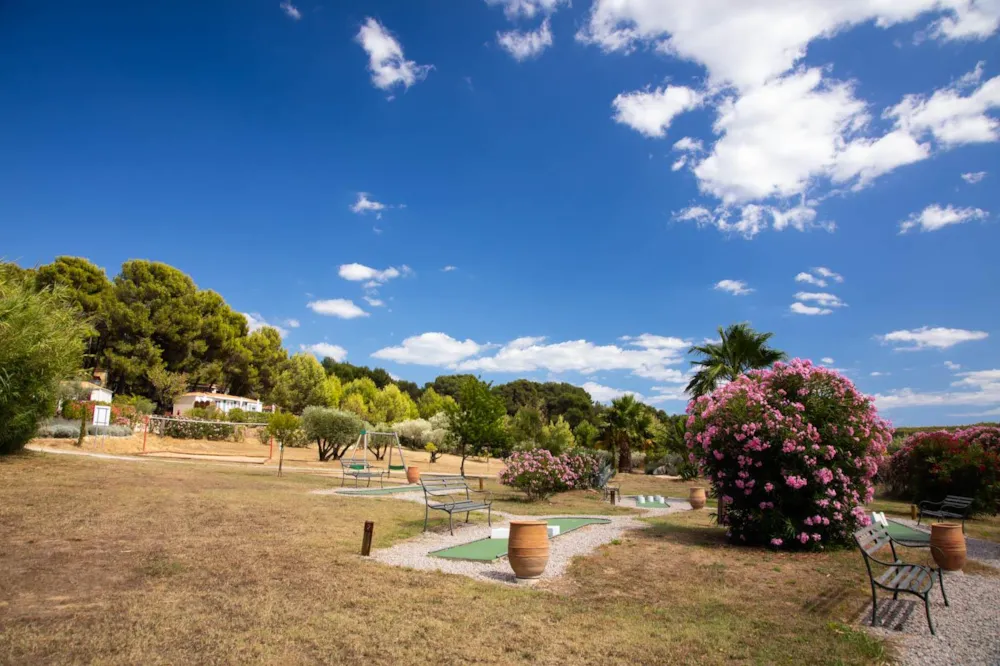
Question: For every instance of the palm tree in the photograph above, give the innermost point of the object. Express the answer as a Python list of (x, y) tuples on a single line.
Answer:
[(625, 421), (740, 350)]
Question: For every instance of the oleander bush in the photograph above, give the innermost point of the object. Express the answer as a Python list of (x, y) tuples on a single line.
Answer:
[(792, 451), (931, 465), (539, 474)]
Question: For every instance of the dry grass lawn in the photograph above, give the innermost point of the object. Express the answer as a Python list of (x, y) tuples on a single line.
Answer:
[(123, 563)]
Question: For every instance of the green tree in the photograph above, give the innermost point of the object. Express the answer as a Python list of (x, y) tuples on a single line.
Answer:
[(626, 424), (284, 428), (392, 405), (526, 425), (519, 394), (41, 343), (448, 385), (255, 371), (300, 384), (166, 385), (430, 403), (557, 437), (333, 430), (740, 349), (87, 287), (586, 434), (476, 421)]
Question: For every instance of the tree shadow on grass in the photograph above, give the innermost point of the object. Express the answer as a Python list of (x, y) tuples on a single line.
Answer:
[(686, 535)]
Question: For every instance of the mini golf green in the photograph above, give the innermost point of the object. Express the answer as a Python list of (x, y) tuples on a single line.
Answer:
[(378, 491), (487, 550), (902, 532)]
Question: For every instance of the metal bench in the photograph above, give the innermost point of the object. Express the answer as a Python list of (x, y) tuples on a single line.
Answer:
[(445, 493), (898, 576), (953, 506), (360, 470)]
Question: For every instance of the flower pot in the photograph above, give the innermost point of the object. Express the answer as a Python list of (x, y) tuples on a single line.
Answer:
[(412, 474), (697, 498), (948, 546), (528, 547)]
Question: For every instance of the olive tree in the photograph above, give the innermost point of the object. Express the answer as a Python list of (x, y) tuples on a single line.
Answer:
[(333, 430)]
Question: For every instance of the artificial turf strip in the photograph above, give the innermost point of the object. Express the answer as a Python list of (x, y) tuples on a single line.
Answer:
[(487, 550), (902, 532), (379, 491)]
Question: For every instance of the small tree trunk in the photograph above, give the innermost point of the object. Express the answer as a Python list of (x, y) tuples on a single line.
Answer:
[(281, 455), (624, 456), (83, 425)]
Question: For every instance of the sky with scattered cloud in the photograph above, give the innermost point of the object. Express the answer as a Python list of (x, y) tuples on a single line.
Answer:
[(568, 191)]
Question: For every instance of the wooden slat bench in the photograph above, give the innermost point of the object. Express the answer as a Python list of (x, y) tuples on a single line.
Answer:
[(898, 576), (360, 470), (452, 494), (952, 506)]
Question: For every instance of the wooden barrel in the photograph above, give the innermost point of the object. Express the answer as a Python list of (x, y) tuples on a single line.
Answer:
[(697, 498), (528, 547), (412, 474), (948, 546)]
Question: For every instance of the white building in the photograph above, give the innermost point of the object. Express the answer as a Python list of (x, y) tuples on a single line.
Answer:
[(221, 401), (97, 393)]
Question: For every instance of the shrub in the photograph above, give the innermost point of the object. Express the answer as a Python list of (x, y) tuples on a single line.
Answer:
[(931, 465), (432, 449), (539, 474), (792, 451), (41, 343), (192, 429), (109, 431), (332, 430), (121, 414), (59, 429)]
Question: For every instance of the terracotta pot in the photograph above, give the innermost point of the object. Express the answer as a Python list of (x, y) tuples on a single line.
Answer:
[(948, 546), (697, 498), (412, 474), (528, 547)]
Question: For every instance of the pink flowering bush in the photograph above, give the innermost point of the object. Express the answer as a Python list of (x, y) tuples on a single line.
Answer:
[(931, 465), (539, 474), (792, 452)]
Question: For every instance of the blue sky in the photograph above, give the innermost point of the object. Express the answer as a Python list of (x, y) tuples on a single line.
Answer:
[(525, 188)]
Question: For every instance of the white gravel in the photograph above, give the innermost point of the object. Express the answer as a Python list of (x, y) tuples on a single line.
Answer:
[(413, 553), (967, 631)]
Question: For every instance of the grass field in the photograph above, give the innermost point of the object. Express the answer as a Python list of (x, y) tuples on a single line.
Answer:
[(119, 562)]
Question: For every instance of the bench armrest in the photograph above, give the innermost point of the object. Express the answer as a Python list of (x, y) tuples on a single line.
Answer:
[(929, 503), (486, 494)]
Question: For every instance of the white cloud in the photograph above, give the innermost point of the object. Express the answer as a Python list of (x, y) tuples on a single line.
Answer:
[(651, 112), (931, 338), (974, 177), (256, 322), (803, 309), (290, 10), (952, 366), (825, 272), (337, 307), (515, 9), (292, 323), (365, 205), (374, 302), (371, 276), (982, 390), (876, 373), (667, 394), (826, 360), (748, 43), (679, 164), (821, 298), (605, 394), (386, 62), (323, 349), (525, 44), (810, 279), (936, 217), (430, 349), (949, 116), (751, 219), (734, 287), (449, 268), (688, 145)]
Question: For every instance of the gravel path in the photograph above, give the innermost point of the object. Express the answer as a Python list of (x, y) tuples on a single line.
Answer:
[(968, 631), (413, 553)]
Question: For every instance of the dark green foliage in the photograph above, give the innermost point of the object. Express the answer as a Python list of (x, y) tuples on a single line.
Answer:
[(41, 343), (626, 424), (347, 372), (476, 421), (448, 385), (740, 349)]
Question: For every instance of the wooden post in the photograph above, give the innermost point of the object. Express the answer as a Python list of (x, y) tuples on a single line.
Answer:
[(913, 511), (281, 455), (480, 483), (613, 502), (366, 540), (145, 431)]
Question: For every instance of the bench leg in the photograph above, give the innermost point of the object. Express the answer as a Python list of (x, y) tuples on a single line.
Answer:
[(941, 582), (489, 516), (343, 479), (874, 605), (451, 523), (927, 609), (466, 516), (427, 512)]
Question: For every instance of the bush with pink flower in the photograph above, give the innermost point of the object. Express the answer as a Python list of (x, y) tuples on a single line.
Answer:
[(966, 461), (539, 474), (792, 452)]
